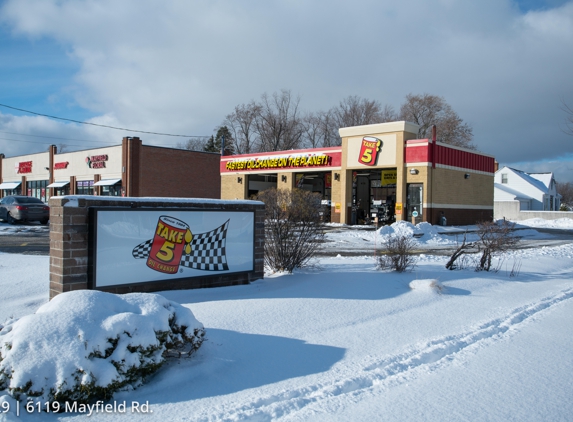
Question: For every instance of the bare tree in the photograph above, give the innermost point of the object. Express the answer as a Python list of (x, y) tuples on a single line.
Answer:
[(398, 254), (461, 250), (566, 192), (356, 111), (194, 144), (241, 124), (320, 130), (387, 114), (328, 130), (494, 237), (279, 124), (568, 118), (312, 127), (427, 110), (293, 227)]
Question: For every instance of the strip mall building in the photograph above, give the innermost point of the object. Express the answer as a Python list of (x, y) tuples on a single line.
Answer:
[(379, 170), (130, 169)]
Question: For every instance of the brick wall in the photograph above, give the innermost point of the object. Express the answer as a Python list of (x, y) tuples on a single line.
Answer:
[(178, 173), (232, 189), (451, 187), (70, 262)]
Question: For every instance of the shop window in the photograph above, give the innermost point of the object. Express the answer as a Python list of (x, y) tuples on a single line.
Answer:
[(113, 190), (38, 189), (260, 182), (10, 192), (85, 187), (63, 191)]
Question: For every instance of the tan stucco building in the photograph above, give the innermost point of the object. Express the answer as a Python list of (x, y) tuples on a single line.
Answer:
[(380, 171)]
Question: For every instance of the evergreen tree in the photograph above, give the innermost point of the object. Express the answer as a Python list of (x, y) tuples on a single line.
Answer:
[(214, 143), (223, 132), (211, 145)]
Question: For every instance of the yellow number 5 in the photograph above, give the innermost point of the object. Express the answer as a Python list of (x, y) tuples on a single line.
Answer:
[(367, 156), (166, 252)]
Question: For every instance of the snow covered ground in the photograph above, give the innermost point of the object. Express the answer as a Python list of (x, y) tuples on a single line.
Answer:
[(342, 341)]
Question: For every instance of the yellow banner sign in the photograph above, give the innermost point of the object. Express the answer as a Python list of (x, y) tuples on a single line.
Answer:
[(389, 177)]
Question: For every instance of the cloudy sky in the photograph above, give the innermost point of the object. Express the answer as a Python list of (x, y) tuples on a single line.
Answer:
[(180, 66)]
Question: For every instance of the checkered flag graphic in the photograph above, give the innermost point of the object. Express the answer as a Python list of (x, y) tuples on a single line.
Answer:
[(208, 250), (142, 250)]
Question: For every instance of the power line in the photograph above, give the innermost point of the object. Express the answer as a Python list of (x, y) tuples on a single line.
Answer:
[(46, 143), (84, 145), (55, 137), (95, 124)]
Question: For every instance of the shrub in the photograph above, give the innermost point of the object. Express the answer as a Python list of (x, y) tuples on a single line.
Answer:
[(86, 345), (294, 227), (459, 253), (398, 254), (494, 237)]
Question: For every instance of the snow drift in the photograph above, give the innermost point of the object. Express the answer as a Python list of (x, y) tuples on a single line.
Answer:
[(86, 345)]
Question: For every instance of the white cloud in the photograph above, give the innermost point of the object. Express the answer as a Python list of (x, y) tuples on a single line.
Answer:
[(562, 168), (180, 67)]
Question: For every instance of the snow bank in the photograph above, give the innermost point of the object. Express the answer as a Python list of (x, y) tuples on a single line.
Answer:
[(86, 344), (427, 285), (400, 228), (423, 232), (560, 223)]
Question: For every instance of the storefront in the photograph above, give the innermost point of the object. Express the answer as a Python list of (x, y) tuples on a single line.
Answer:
[(129, 169), (380, 173)]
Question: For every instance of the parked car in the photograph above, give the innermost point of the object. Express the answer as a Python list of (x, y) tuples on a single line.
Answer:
[(23, 208)]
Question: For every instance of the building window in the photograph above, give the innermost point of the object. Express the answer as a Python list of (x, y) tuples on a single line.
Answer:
[(113, 190), (85, 187), (37, 188), (504, 178)]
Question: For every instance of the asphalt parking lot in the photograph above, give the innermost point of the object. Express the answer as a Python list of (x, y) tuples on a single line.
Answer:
[(34, 239), (28, 239)]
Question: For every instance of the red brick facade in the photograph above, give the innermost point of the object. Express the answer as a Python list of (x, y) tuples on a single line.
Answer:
[(173, 173)]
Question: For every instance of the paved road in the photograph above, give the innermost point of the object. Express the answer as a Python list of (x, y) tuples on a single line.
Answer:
[(27, 240), (557, 237), (35, 240)]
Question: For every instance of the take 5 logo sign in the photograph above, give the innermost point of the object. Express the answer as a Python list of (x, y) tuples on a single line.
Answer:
[(369, 150)]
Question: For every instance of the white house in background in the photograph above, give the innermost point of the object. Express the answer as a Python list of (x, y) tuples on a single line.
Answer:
[(534, 191)]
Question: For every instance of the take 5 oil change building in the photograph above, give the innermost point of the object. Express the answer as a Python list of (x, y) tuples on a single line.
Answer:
[(380, 171)]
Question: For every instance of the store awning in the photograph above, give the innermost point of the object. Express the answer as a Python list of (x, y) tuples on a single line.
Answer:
[(58, 184), (107, 182), (9, 185)]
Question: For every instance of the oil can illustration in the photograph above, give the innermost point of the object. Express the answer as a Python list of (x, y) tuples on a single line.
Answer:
[(171, 237), (369, 150), (174, 246)]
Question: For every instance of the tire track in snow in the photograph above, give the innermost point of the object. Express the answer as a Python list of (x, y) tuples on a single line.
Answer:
[(390, 371)]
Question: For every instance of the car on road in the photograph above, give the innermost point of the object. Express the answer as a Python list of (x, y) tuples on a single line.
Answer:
[(16, 208)]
